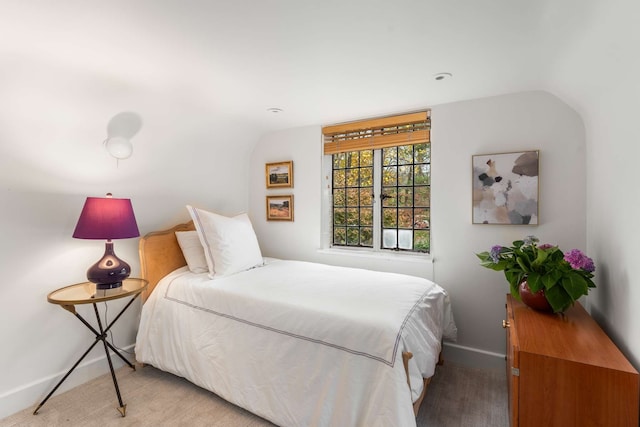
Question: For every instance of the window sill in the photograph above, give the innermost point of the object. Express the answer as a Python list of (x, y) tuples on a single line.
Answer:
[(386, 255)]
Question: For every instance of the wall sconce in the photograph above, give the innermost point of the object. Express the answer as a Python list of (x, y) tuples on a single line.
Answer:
[(121, 128), (119, 147)]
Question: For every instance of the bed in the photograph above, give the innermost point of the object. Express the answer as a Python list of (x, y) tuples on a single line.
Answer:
[(294, 342)]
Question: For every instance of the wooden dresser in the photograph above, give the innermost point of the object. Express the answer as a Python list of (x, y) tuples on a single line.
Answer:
[(563, 370)]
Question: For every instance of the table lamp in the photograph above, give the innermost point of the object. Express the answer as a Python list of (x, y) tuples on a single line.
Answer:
[(107, 218)]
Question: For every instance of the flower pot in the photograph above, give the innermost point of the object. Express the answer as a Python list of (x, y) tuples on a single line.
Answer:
[(535, 300)]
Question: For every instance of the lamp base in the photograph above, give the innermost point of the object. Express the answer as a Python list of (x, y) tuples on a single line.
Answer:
[(109, 271), (103, 286)]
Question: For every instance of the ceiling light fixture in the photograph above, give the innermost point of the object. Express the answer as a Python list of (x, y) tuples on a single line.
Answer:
[(121, 128), (274, 110), (119, 147), (442, 76)]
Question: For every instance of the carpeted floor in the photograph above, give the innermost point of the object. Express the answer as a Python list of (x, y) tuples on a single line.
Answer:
[(457, 396)]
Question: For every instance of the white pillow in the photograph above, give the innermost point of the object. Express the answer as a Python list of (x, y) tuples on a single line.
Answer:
[(230, 244), (192, 250)]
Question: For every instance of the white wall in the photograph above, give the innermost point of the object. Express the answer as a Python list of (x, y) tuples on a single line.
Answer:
[(599, 76), (523, 121), (526, 121), (52, 124)]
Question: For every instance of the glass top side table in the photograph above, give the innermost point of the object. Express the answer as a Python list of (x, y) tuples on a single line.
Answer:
[(86, 293)]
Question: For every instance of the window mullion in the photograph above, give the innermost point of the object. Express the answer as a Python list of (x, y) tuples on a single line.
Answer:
[(377, 203)]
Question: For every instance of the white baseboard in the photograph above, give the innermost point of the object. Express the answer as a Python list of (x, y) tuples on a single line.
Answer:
[(30, 395), (472, 357)]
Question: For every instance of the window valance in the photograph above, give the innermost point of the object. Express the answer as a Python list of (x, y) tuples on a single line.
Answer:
[(383, 132)]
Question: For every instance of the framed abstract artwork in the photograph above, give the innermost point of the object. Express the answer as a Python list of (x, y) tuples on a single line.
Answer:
[(279, 175), (505, 188)]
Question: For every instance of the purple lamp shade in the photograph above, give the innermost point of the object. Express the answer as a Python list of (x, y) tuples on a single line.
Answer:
[(106, 219)]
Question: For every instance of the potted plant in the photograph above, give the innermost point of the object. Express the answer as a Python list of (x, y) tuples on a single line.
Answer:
[(543, 270)]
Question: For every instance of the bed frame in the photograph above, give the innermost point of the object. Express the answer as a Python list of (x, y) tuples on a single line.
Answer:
[(160, 254)]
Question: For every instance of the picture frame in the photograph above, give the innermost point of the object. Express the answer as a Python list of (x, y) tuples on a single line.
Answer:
[(280, 208), (506, 188), (279, 175)]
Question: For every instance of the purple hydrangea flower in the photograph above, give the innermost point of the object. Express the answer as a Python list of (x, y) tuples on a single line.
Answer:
[(578, 260), (530, 240), (495, 253)]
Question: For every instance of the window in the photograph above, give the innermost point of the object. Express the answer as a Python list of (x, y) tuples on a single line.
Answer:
[(406, 190), (353, 198), (381, 183)]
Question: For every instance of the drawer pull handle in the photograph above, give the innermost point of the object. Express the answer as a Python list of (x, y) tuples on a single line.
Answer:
[(506, 324)]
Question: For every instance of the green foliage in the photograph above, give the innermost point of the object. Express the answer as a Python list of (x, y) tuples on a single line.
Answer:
[(421, 241), (389, 176), (405, 155), (405, 218), (563, 277), (405, 175), (390, 156), (366, 236), (353, 216), (389, 218), (405, 195), (422, 174), (422, 196), (366, 216)]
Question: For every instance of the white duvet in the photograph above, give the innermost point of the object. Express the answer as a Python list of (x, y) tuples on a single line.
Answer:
[(298, 343)]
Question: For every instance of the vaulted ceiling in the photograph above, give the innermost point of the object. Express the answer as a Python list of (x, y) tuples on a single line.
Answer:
[(202, 74), (318, 61)]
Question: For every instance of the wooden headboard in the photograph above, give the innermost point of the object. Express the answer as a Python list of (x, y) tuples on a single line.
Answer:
[(160, 254)]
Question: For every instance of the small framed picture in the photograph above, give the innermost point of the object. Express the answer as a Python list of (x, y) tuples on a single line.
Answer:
[(279, 175), (280, 208)]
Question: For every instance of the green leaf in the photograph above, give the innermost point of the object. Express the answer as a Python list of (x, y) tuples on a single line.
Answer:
[(523, 265), (558, 298), (551, 278), (499, 266), (514, 277), (535, 284), (515, 290), (575, 285), (540, 259)]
